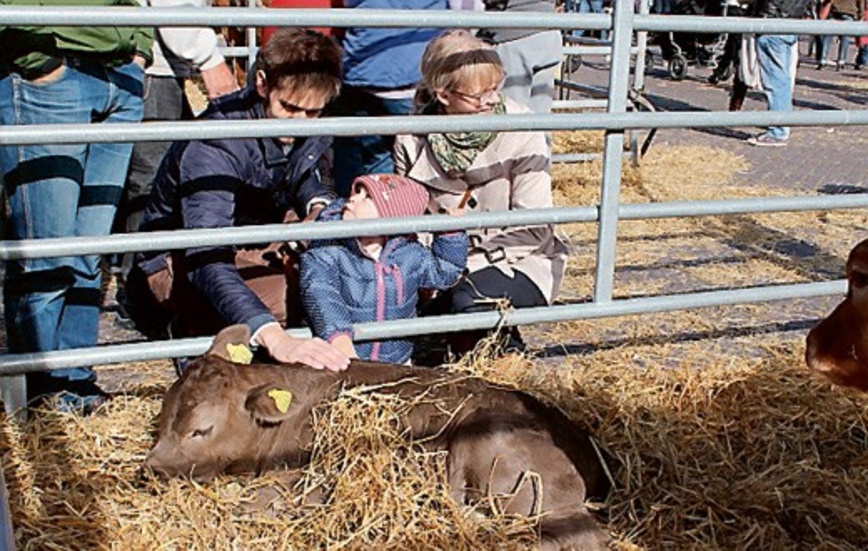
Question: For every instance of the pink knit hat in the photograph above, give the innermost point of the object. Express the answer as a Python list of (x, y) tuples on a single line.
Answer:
[(394, 196)]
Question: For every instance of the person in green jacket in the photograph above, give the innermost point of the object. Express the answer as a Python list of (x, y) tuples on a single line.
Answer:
[(59, 75)]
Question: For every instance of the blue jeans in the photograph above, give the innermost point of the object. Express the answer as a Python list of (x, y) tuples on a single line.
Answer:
[(583, 6), (824, 42), (58, 190), (372, 154), (862, 56), (774, 57)]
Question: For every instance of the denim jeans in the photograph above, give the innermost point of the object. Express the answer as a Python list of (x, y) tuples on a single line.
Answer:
[(60, 190), (583, 6), (358, 155), (862, 57), (773, 55), (824, 42)]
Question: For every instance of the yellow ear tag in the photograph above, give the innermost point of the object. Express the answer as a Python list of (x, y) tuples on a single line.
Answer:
[(282, 398), (239, 353)]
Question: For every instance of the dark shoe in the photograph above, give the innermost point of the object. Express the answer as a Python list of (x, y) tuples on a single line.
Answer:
[(64, 395), (713, 79), (514, 343), (767, 140), (176, 330)]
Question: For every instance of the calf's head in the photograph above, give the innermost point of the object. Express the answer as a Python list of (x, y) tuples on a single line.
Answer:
[(838, 346), (222, 416)]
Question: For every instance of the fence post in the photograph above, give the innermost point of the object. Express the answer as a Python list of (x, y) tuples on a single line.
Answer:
[(619, 79)]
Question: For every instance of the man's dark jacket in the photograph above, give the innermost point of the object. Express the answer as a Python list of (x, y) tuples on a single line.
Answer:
[(231, 182), (780, 9)]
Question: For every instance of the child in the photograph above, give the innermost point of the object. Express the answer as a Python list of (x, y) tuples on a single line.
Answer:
[(376, 278)]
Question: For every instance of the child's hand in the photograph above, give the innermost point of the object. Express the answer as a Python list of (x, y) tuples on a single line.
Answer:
[(456, 211), (345, 344)]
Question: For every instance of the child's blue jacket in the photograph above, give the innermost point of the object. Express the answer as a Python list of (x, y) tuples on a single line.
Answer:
[(342, 285)]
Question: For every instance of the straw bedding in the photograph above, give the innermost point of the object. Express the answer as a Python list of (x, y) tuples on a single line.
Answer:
[(720, 438)]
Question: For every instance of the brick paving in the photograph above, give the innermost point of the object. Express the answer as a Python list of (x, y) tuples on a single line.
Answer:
[(814, 158)]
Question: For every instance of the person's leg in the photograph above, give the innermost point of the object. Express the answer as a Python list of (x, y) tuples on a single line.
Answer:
[(263, 270), (116, 97), (42, 186), (485, 290), (822, 50), (773, 54), (843, 48), (164, 101), (861, 57), (580, 6)]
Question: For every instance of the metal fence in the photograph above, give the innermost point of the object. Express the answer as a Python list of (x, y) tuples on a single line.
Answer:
[(616, 120), (623, 25)]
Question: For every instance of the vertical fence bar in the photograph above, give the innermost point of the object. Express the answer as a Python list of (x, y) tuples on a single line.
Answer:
[(619, 78), (13, 392), (252, 46), (7, 538), (641, 49)]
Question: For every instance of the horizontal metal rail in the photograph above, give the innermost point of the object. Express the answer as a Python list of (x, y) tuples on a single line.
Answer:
[(421, 124), (13, 364), (265, 17), (245, 235)]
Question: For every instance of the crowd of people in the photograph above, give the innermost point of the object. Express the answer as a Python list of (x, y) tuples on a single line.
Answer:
[(72, 74)]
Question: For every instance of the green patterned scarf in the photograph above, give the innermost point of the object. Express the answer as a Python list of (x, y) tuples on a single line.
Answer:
[(456, 151)]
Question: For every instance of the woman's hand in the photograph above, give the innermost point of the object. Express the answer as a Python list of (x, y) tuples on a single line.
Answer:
[(316, 353)]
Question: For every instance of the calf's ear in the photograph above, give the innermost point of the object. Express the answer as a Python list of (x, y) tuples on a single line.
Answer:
[(231, 344), (270, 403)]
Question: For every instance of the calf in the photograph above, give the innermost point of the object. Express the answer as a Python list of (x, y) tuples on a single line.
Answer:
[(222, 416), (838, 346)]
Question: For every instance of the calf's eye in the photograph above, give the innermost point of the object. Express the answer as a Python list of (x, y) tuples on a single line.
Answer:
[(200, 433)]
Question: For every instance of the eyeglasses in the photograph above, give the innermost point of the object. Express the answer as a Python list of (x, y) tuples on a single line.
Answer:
[(492, 94)]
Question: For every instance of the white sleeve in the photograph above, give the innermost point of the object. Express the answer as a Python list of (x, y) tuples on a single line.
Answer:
[(197, 45)]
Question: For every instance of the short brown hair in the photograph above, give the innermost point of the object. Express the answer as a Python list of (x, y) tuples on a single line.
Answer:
[(301, 58)]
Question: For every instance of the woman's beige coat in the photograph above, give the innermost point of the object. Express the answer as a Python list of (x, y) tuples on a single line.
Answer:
[(511, 173)]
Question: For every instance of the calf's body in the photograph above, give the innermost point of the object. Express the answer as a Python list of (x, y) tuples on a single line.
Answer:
[(531, 459), (838, 346)]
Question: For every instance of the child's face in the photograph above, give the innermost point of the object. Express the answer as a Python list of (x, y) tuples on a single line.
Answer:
[(360, 206)]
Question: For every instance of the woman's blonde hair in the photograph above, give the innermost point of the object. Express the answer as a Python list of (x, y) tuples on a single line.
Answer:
[(452, 58)]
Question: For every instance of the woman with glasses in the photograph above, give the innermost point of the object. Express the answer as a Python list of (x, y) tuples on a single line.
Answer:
[(483, 171)]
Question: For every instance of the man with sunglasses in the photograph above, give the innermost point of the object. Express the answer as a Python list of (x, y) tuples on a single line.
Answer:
[(219, 182)]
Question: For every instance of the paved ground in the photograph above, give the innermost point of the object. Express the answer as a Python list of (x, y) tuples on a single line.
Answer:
[(815, 157)]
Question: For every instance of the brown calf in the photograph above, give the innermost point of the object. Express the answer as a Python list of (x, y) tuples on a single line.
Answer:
[(838, 346), (222, 416)]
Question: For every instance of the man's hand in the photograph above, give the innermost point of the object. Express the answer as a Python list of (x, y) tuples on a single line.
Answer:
[(316, 353), (219, 80)]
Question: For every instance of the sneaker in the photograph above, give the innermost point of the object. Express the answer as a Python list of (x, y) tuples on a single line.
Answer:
[(767, 140)]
